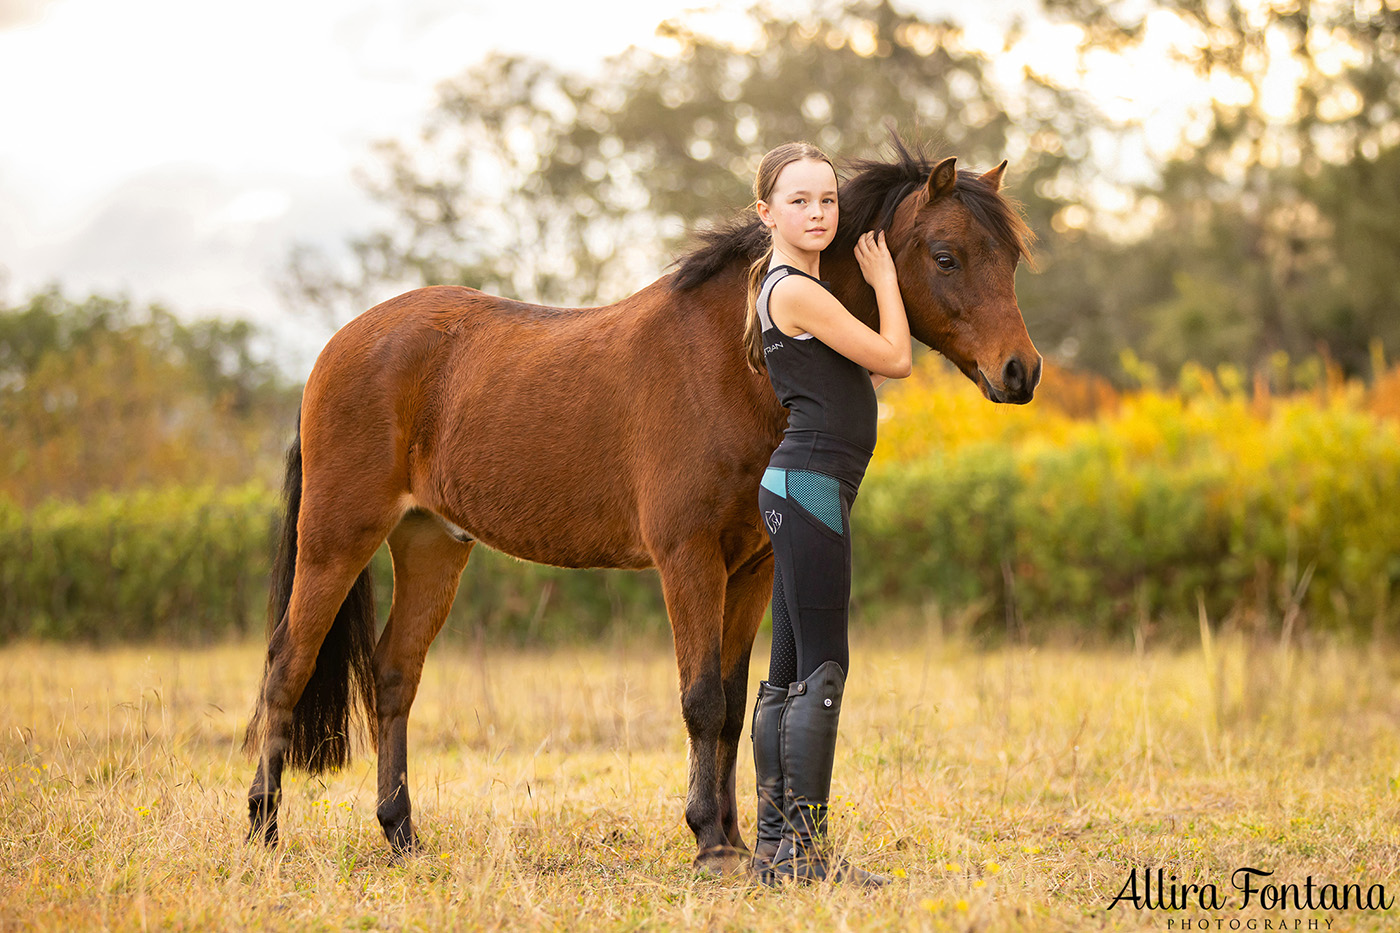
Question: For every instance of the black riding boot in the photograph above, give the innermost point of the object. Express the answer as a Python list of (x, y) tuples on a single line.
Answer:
[(768, 768), (807, 737)]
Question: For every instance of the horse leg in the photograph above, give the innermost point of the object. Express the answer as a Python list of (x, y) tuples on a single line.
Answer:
[(428, 565), (328, 562), (745, 600), (263, 799), (692, 580)]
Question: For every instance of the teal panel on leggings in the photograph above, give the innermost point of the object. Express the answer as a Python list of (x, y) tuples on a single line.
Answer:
[(817, 493), (775, 481)]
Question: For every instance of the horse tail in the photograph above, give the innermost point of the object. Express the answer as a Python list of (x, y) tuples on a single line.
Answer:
[(342, 685)]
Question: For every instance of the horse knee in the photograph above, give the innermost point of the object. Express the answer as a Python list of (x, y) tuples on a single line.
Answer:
[(703, 707), (736, 702), (287, 673), (393, 692)]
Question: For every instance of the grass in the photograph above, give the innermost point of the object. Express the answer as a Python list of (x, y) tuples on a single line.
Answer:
[(1005, 789)]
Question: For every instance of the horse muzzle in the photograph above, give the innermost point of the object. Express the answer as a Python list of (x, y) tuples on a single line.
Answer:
[(1017, 382)]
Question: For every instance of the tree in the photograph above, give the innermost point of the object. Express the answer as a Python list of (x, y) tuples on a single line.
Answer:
[(96, 395), (545, 186), (1276, 221), (1271, 227)]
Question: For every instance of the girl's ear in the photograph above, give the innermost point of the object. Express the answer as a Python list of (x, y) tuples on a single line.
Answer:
[(764, 214)]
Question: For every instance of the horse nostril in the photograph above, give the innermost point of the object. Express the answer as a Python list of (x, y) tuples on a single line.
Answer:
[(1013, 375)]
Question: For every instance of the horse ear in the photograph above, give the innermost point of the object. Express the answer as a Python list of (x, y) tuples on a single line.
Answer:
[(993, 178), (941, 179)]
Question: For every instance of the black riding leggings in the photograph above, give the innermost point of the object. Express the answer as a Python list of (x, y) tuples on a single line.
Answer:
[(808, 516)]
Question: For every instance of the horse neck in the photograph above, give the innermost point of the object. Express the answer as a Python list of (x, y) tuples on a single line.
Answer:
[(841, 270), (720, 304)]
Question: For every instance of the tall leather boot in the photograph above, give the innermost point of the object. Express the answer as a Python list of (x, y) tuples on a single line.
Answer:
[(768, 769), (807, 737)]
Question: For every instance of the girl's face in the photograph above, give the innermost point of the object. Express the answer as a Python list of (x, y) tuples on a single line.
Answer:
[(801, 211)]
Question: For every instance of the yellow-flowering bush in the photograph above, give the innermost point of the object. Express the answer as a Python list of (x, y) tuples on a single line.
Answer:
[(1252, 502)]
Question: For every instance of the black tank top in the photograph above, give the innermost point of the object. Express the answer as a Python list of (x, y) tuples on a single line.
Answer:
[(830, 401)]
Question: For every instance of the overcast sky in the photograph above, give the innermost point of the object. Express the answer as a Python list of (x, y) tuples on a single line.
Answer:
[(175, 150)]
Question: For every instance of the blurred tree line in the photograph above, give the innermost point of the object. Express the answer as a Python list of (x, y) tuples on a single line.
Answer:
[(96, 394), (1275, 223), (1264, 232), (1268, 229)]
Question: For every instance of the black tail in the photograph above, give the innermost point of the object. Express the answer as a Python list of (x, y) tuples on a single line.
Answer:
[(320, 732)]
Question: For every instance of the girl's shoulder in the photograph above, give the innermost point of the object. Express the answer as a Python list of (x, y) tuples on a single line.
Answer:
[(795, 283), (785, 270)]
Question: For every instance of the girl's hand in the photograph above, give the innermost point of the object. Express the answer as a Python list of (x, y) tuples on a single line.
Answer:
[(876, 263)]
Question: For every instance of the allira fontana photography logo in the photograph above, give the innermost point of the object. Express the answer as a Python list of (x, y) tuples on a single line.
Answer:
[(1247, 889)]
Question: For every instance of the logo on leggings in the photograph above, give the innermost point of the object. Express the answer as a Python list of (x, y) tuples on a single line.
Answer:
[(774, 518)]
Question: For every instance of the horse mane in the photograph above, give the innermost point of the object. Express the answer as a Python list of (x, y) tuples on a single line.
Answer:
[(868, 202), (741, 239)]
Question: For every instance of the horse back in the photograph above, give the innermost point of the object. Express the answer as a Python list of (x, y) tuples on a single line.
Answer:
[(583, 438)]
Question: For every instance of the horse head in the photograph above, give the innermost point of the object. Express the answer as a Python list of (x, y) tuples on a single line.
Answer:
[(956, 242)]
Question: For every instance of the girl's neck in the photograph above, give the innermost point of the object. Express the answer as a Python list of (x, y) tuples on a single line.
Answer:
[(799, 259)]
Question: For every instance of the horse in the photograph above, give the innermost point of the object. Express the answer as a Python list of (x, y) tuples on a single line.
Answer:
[(628, 435)]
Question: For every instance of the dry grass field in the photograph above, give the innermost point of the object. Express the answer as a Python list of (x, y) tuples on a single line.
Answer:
[(1006, 789)]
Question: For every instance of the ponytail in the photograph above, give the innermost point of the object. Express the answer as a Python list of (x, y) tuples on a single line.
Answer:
[(753, 327)]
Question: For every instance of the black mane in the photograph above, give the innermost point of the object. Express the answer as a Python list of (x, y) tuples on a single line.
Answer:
[(868, 202), (742, 239)]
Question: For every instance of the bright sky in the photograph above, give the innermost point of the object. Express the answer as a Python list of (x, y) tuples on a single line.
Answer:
[(175, 150)]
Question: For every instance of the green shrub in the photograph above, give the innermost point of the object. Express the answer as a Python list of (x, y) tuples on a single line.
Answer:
[(1112, 521)]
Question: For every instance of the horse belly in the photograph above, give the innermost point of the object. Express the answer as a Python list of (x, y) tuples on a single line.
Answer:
[(534, 489)]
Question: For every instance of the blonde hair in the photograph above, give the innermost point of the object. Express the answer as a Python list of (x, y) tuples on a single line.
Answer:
[(772, 165)]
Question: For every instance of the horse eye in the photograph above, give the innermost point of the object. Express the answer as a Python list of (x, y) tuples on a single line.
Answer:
[(946, 261)]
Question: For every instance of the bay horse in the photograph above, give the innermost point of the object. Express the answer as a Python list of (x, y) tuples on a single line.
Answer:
[(628, 435)]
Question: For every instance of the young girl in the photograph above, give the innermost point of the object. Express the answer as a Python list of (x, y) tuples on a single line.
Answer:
[(824, 365)]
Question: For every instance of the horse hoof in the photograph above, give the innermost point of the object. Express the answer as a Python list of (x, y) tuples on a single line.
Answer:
[(402, 839), (722, 861), (401, 855), (403, 842), (262, 821)]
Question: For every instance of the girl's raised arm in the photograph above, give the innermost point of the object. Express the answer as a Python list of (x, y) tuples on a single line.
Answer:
[(806, 307)]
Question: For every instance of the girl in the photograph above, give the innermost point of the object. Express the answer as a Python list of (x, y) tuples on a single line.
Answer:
[(824, 365)]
